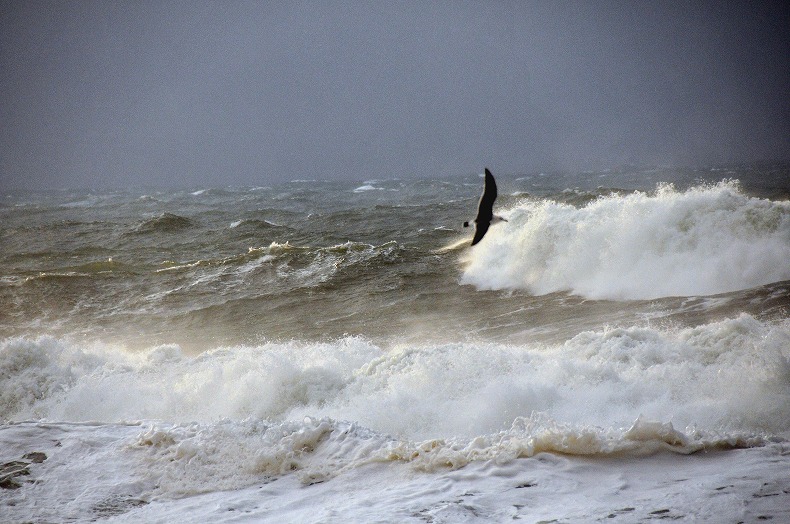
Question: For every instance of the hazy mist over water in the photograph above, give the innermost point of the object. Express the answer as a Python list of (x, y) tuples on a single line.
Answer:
[(96, 94)]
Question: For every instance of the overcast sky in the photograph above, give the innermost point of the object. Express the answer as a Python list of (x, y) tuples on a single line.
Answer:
[(125, 93)]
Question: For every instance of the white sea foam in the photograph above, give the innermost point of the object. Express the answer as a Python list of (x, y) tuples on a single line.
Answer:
[(703, 241), (730, 376), (328, 471), (240, 433)]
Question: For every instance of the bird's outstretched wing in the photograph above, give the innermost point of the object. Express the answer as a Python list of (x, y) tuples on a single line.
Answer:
[(480, 231), (485, 209)]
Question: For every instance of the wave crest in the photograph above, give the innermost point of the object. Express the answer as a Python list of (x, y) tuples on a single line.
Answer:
[(164, 223), (732, 376), (706, 240)]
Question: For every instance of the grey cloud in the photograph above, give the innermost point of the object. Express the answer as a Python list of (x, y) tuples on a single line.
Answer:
[(230, 93)]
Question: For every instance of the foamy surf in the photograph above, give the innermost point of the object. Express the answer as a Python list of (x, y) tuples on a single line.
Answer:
[(705, 240), (693, 377), (258, 471), (428, 423)]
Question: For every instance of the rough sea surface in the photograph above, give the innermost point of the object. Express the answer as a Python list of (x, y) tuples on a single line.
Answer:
[(315, 351)]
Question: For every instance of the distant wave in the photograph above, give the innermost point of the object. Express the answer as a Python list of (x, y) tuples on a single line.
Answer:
[(166, 222), (253, 223), (217, 191), (706, 240), (374, 185), (366, 187), (89, 270), (88, 202)]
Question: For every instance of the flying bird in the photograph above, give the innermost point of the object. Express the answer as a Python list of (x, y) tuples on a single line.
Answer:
[(485, 209)]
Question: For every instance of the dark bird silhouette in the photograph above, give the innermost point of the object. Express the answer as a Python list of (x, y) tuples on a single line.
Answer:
[(485, 209)]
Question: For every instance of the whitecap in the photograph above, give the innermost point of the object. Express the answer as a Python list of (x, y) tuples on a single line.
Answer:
[(703, 241), (366, 187)]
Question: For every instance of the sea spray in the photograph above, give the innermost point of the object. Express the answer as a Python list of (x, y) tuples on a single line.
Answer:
[(706, 240), (729, 376)]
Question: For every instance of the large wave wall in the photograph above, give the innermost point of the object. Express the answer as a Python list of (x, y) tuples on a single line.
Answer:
[(706, 240)]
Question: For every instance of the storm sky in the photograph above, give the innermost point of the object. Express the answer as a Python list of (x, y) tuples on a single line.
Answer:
[(128, 93)]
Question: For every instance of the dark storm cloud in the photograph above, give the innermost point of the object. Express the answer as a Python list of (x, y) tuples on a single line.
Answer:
[(216, 93)]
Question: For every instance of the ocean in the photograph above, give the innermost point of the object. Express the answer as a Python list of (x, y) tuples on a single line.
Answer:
[(323, 351)]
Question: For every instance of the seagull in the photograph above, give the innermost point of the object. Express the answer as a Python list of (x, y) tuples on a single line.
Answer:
[(485, 209)]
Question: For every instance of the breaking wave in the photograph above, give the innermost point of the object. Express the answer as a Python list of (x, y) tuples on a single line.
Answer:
[(731, 376), (706, 240)]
